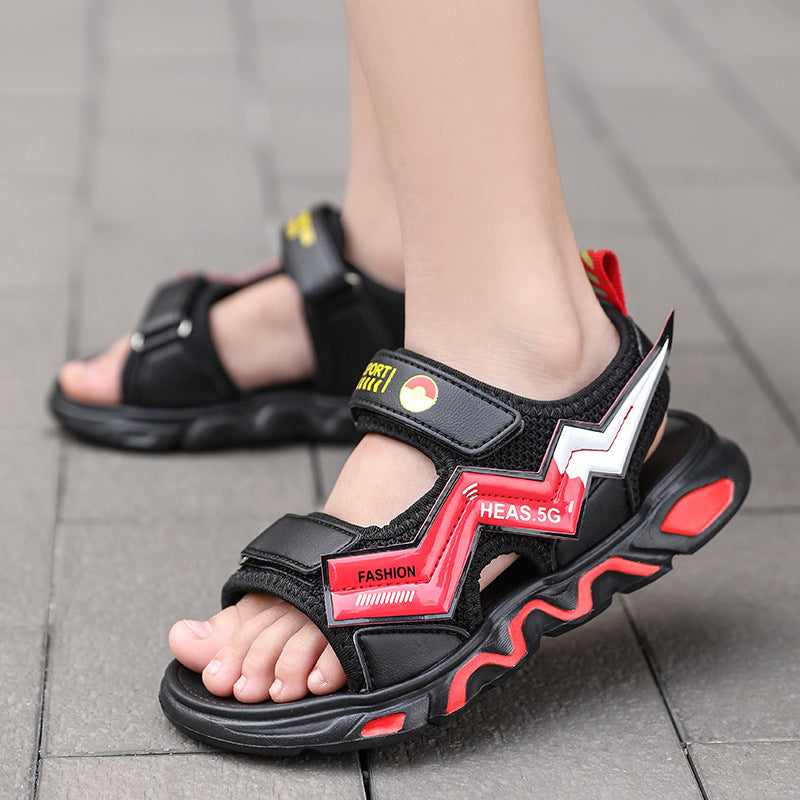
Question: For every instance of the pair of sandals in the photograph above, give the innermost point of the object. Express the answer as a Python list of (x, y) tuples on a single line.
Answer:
[(564, 484)]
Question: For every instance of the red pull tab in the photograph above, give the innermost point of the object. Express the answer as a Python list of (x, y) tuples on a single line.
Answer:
[(602, 269)]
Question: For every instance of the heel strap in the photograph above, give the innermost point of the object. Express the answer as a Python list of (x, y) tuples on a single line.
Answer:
[(346, 326)]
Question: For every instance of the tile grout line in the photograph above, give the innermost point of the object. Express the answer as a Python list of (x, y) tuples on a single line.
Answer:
[(635, 182), (133, 754), (676, 25), (365, 763), (674, 719), (94, 23)]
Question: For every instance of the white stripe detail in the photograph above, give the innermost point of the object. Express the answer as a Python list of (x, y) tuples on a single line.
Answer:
[(385, 598), (583, 453)]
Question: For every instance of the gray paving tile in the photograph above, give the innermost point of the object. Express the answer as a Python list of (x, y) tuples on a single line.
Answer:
[(31, 340), (758, 47), (713, 383), (582, 719), (299, 191), (21, 658), (309, 141), (736, 230), (634, 53), (37, 232), (107, 485), (28, 485), (118, 589), (690, 131), (765, 311), (41, 49), (178, 185), (149, 30), (304, 21), (591, 186), (40, 139), (124, 265), (725, 635), (304, 70), (165, 104), (200, 778), (766, 770)]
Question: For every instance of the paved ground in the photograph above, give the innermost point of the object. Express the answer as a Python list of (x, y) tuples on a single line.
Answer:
[(142, 136)]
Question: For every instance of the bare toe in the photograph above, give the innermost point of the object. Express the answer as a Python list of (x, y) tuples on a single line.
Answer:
[(258, 668), (225, 668), (297, 659), (194, 642), (327, 675), (97, 380)]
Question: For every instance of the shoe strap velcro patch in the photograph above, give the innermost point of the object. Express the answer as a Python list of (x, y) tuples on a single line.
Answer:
[(298, 542), (312, 256), (344, 322), (423, 397), (169, 313), (602, 270)]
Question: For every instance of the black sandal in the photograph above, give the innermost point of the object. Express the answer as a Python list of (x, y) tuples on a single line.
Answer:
[(564, 484), (177, 395)]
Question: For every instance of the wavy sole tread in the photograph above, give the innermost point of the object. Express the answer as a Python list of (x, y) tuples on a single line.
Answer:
[(265, 418)]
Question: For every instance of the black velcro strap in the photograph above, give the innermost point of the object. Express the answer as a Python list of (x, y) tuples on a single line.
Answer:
[(312, 255), (298, 542), (410, 390), (170, 305), (345, 325), (173, 362)]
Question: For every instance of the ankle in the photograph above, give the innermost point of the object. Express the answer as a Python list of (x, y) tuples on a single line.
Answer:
[(372, 240), (261, 335), (546, 358)]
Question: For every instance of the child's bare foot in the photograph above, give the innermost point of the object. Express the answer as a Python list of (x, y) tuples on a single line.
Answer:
[(259, 332)]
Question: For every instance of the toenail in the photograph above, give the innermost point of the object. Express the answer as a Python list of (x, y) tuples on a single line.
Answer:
[(202, 630), (276, 690), (213, 667), (317, 678), (239, 685)]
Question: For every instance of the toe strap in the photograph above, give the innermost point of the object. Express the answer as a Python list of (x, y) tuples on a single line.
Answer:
[(298, 542), (285, 560), (173, 362)]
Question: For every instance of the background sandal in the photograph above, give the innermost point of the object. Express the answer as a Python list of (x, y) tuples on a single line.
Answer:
[(564, 484), (176, 393)]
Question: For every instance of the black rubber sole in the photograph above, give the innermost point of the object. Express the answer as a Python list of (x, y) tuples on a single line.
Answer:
[(270, 417), (691, 457)]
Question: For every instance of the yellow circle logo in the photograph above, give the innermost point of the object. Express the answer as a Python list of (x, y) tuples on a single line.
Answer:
[(418, 393)]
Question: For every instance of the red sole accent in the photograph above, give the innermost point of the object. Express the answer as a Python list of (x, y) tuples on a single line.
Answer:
[(381, 726), (458, 687), (695, 511)]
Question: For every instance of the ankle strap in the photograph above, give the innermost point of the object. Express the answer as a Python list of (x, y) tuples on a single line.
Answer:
[(431, 399), (346, 326)]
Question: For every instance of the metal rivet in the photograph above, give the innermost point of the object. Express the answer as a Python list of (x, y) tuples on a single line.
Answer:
[(353, 278), (185, 328), (137, 342)]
